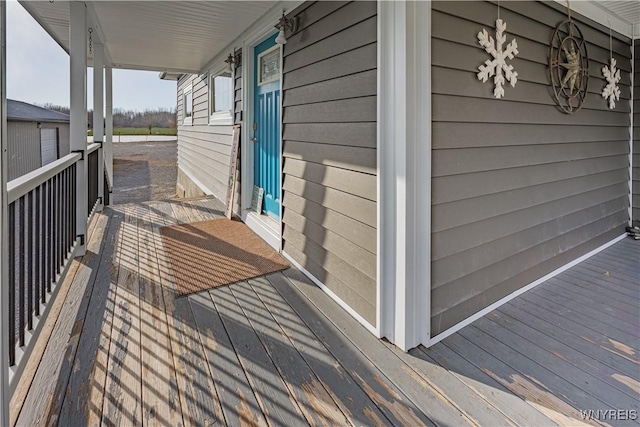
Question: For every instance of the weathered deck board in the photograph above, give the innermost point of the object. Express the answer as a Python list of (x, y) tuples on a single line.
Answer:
[(562, 351), (588, 341), (605, 312), (84, 394), (315, 402), (367, 374), (599, 294), (208, 208), (611, 284), (623, 282), (520, 411), (428, 373), (607, 262), (199, 402), (597, 283), (353, 401), (590, 384), (271, 392), (160, 398), (529, 389), (237, 398), (123, 393), (586, 320), (277, 350), (543, 376)]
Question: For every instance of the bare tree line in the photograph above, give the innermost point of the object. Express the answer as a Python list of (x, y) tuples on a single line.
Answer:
[(156, 118)]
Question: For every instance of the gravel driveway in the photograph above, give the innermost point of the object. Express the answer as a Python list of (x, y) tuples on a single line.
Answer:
[(144, 171)]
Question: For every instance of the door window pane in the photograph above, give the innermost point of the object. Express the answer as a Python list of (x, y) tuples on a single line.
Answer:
[(270, 66)]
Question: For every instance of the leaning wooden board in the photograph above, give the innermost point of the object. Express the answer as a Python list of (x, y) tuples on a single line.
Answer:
[(231, 186)]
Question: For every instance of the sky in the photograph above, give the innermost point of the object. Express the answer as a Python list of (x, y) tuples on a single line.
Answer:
[(38, 71)]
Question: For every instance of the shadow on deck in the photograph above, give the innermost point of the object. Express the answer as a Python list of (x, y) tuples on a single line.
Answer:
[(277, 351)]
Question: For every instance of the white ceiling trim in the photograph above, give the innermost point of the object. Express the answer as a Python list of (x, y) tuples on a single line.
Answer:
[(598, 12), (184, 38), (34, 14)]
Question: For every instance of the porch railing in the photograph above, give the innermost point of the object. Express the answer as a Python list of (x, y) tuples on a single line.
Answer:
[(42, 242)]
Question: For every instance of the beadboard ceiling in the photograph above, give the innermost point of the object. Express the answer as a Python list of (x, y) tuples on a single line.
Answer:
[(179, 36)]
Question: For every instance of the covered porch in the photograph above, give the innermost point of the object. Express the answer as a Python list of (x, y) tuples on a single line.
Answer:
[(115, 346), (120, 349)]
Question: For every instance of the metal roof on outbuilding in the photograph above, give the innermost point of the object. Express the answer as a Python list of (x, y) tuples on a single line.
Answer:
[(21, 111)]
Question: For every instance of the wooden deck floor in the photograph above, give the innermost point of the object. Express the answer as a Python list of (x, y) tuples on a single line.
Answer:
[(277, 351)]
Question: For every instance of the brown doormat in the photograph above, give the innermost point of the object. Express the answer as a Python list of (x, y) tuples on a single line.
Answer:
[(207, 254)]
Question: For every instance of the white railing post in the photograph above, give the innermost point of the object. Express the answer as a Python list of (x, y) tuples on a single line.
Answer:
[(78, 86), (108, 145), (98, 115), (4, 229)]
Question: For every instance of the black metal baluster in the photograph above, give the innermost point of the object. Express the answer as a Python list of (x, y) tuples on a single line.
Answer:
[(29, 260), (12, 284), (65, 220), (74, 207), (47, 242), (22, 278), (59, 223), (52, 237), (38, 243)]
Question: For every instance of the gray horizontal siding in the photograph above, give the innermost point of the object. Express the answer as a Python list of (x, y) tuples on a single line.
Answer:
[(204, 151), (635, 185), (518, 187), (329, 149)]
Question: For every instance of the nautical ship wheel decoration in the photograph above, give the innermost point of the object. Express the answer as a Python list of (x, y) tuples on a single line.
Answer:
[(568, 66)]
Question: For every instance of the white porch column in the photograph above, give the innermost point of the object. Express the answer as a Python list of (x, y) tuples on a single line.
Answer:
[(78, 71), (4, 229), (98, 114), (404, 159), (108, 142)]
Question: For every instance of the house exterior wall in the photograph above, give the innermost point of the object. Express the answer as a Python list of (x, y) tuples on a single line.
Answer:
[(519, 188), (635, 198), (329, 149), (24, 145), (203, 150)]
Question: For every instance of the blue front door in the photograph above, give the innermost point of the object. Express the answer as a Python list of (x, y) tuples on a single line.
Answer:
[(266, 126)]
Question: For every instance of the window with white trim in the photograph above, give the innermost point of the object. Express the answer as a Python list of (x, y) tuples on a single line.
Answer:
[(221, 98), (187, 105)]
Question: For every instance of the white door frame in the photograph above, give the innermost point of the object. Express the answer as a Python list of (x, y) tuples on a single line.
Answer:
[(260, 225)]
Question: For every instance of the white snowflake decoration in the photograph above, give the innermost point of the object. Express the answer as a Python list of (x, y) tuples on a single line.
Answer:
[(611, 91), (499, 62)]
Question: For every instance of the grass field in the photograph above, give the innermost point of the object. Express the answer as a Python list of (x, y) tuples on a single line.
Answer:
[(141, 131)]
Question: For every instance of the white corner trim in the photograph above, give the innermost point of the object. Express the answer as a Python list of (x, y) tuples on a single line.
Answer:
[(333, 296), (404, 171), (455, 328)]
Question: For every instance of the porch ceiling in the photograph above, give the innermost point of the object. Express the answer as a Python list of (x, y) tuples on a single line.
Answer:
[(179, 36)]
